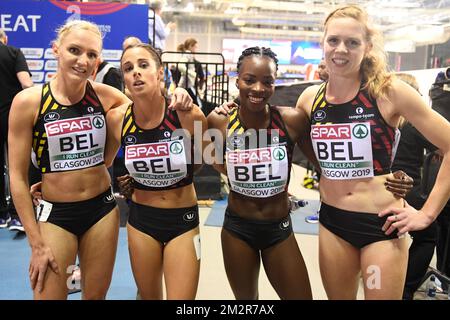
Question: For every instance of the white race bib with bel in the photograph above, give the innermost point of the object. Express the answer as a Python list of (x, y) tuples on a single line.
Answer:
[(76, 143), (258, 173), (344, 150), (158, 164)]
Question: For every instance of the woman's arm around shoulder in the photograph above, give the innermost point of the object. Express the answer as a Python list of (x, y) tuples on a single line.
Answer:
[(306, 99), (217, 127), (296, 122), (114, 119), (298, 126), (109, 96), (194, 121)]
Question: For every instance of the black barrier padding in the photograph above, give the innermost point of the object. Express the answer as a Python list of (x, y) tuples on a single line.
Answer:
[(207, 184)]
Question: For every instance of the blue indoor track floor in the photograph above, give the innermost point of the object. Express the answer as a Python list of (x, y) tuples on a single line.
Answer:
[(14, 260)]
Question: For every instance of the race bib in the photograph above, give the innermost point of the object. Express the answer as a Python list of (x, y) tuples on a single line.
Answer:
[(344, 151), (76, 143), (158, 164), (258, 173)]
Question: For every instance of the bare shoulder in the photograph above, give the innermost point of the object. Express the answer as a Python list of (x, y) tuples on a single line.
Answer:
[(109, 96), (30, 95), (116, 115), (292, 115), (295, 120), (401, 96), (27, 101), (101, 88), (306, 99)]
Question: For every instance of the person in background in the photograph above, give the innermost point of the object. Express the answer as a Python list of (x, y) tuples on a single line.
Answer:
[(321, 72), (14, 77), (129, 41), (162, 31), (108, 74), (188, 70), (410, 158)]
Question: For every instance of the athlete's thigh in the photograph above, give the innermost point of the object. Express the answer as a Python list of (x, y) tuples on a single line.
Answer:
[(64, 246), (182, 265), (286, 270), (339, 265), (383, 267), (242, 264), (146, 256), (97, 254)]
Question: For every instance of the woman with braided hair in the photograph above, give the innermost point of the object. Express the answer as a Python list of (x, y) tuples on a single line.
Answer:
[(257, 160)]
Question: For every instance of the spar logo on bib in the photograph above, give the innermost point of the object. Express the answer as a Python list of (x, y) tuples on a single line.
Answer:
[(360, 131), (279, 154), (250, 156), (98, 122), (68, 126), (153, 150), (176, 148)]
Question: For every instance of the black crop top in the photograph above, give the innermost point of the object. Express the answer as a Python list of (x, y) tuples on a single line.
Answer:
[(351, 140)]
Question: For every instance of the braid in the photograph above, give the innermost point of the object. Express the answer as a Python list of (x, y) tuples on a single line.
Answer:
[(260, 52)]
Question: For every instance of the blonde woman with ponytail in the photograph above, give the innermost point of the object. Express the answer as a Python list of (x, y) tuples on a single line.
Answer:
[(354, 118)]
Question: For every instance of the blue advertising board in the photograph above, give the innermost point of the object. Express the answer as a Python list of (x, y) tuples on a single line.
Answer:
[(30, 25), (303, 52)]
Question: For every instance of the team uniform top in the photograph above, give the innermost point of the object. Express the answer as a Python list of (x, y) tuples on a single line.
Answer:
[(258, 162), (69, 137), (158, 158), (352, 140)]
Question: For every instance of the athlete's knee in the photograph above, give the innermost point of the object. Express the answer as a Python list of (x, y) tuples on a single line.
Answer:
[(95, 294)]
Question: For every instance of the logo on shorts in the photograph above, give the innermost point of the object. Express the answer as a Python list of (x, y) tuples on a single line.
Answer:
[(90, 109), (284, 225), (319, 115), (167, 134), (109, 198), (275, 139), (189, 216), (51, 116), (130, 140)]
